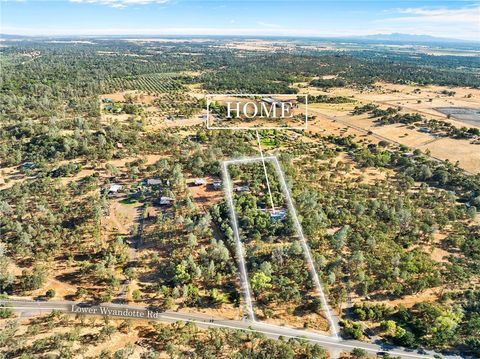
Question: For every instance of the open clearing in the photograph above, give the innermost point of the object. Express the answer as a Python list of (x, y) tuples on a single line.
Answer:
[(425, 100)]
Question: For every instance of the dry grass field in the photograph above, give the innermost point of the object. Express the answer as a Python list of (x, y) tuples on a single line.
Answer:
[(333, 118)]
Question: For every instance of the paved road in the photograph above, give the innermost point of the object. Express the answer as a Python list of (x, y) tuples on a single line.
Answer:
[(28, 308)]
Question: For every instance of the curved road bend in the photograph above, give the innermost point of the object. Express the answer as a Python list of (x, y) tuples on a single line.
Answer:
[(30, 307)]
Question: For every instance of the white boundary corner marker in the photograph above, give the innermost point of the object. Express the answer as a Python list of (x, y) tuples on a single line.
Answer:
[(209, 127), (333, 324)]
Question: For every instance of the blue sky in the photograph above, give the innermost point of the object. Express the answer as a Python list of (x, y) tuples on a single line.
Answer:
[(453, 19)]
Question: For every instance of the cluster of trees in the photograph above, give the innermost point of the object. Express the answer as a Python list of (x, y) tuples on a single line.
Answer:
[(375, 231), (66, 140), (190, 266), (391, 116), (376, 245), (44, 86), (325, 99), (328, 83), (430, 325), (416, 166), (39, 220)]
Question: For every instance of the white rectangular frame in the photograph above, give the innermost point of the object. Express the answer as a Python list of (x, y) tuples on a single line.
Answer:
[(244, 278), (207, 120)]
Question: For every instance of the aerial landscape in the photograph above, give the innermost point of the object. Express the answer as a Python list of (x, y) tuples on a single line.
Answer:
[(188, 179)]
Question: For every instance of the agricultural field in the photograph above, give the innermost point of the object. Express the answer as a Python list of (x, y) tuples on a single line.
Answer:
[(151, 83)]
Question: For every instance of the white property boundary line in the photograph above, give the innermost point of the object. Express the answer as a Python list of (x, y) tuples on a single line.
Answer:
[(207, 122), (265, 171), (244, 283), (334, 327)]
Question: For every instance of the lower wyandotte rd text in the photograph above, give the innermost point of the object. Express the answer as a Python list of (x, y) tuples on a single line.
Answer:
[(131, 313)]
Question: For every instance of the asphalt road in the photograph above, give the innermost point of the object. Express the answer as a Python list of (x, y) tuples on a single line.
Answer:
[(332, 344)]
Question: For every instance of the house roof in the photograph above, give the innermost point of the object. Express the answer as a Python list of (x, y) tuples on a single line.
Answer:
[(114, 187), (153, 181)]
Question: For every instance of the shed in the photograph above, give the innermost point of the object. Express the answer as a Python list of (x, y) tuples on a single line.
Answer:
[(199, 181), (242, 189), (27, 165), (154, 182), (165, 201), (278, 215), (114, 188)]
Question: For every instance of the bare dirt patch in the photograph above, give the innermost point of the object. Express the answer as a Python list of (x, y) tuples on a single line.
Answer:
[(204, 195)]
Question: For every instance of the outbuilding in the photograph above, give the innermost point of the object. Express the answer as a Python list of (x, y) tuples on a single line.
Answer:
[(199, 181), (165, 201), (114, 188)]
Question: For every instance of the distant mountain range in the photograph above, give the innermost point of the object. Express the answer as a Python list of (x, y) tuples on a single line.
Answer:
[(398, 37)]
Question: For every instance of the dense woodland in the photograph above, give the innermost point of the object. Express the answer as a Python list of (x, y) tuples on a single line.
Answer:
[(369, 239)]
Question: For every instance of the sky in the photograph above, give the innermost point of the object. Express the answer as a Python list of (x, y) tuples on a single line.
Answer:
[(451, 19)]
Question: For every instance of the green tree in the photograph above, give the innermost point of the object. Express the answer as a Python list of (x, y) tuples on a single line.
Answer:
[(259, 282)]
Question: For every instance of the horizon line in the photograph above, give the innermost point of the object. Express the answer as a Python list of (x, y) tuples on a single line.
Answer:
[(349, 36)]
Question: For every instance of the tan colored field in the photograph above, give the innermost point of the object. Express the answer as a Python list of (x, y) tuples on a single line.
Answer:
[(259, 45), (405, 96), (333, 118), (137, 95), (9, 176), (428, 295)]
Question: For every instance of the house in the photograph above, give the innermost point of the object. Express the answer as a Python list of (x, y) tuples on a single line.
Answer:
[(242, 189), (114, 188), (217, 185), (278, 103), (278, 215), (154, 182), (199, 181), (165, 201), (271, 101), (27, 165)]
